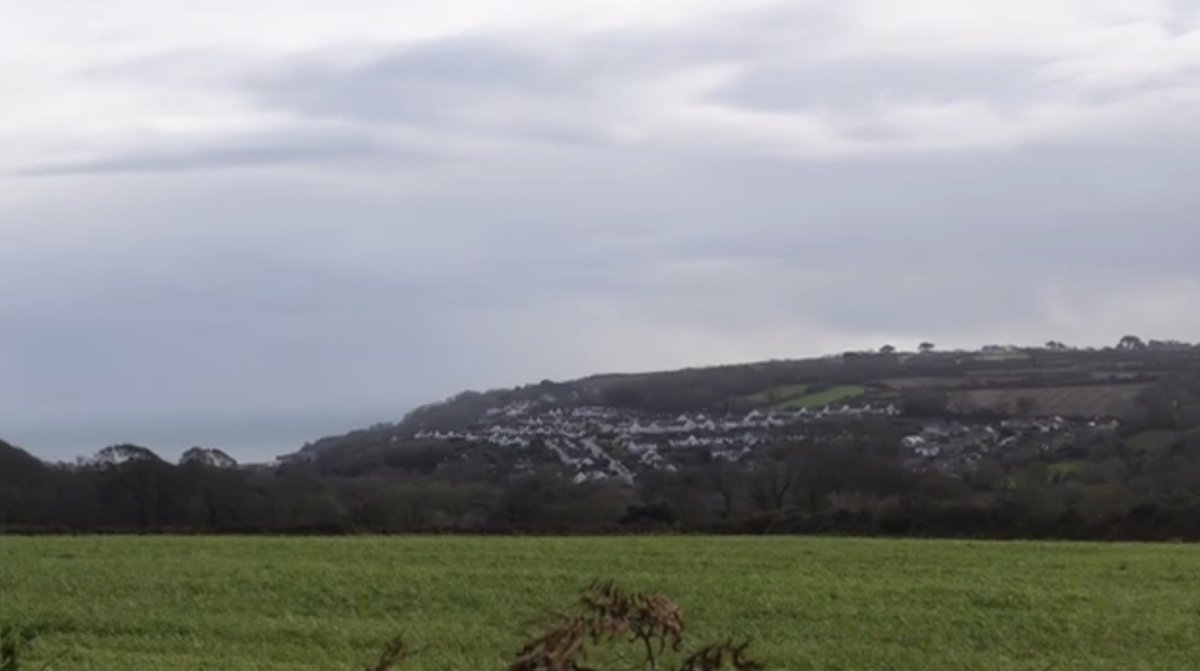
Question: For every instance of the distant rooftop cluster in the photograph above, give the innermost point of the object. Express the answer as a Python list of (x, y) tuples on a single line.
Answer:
[(604, 442)]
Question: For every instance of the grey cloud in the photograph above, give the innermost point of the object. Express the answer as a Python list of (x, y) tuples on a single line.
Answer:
[(297, 148), (454, 84), (555, 88), (420, 84), (576, 93), (1183, 18), (859, 84), (523, 87)]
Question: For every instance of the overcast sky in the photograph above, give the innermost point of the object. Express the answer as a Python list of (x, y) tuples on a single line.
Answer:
[(251, 223)]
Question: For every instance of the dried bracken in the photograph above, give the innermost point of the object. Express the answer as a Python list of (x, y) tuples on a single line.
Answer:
[(393, 653), (609, 614), (612, 614), (722, 656), (562, 648), (652, 619), (14, 643)]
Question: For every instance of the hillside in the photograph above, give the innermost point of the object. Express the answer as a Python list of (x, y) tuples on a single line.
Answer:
[(615, 425), (1114, 377), (16, 464), (21, 475), (1053, 431), (1010, 442)]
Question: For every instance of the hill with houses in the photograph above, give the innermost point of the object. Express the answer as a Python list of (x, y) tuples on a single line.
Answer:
[(943, 411), (1044, 441)]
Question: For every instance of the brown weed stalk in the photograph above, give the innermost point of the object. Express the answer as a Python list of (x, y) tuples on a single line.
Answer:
[(721, 656), (393, 653), (609, 614), (612, 614)]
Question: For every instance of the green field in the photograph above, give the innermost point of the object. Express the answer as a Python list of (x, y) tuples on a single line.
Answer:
[(777, 394), (820, 399), (297, 604)]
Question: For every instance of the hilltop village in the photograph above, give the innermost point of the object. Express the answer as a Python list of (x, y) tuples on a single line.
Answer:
[(602, 442), (958, 414), (1030, 443)]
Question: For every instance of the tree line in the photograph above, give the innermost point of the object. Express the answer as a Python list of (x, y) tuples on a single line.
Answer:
[(852, 483)]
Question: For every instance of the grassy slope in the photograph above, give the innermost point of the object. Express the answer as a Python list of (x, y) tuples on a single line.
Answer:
[(297, 604), (1155, 441), (1081, 401), (777, 394), (820, 399)]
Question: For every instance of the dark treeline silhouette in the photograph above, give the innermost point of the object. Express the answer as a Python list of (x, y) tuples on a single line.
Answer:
[(853, 482)]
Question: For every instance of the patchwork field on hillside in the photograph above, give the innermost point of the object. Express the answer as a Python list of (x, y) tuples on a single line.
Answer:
[(1116, 400), (927, 382), (327, 604), (820, 399), (776, 394)]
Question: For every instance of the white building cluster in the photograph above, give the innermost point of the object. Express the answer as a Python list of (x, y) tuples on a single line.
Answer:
[(602, 442), (955, 447)]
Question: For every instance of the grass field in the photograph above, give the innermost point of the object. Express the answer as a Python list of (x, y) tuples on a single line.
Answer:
[(774, 395), (301, 604), (1157, 441), (820, 399), (918, 382), (1117, 400)]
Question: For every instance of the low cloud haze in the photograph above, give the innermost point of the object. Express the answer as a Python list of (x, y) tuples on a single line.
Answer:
[(246, 225)]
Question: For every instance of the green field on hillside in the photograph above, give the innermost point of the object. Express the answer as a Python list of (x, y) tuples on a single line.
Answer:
[(776, 395), (820, 399), (465, 603)]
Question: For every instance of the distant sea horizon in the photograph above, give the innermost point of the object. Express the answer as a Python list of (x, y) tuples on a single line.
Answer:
[(246, 439)]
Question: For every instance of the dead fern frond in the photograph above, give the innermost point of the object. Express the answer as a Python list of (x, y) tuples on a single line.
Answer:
[(653, 619), (562, 648), (14, 643), (610, 614), (393, 653), (726, 655)]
